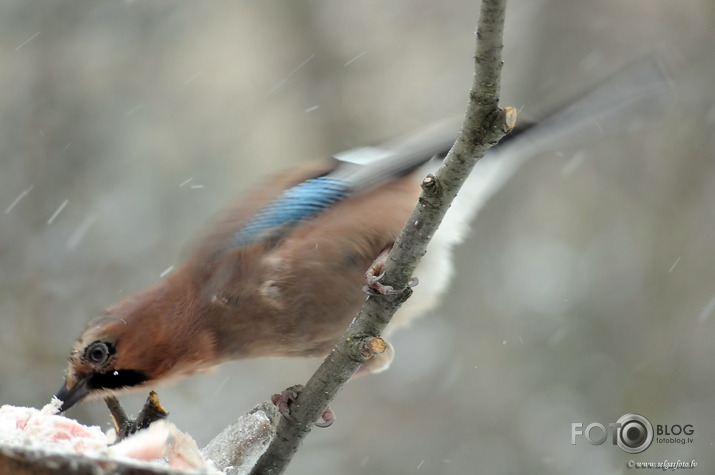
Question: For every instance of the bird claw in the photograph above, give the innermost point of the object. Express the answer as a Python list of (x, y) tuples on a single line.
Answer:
[(375, 287), (284, 400), (328, 418), (124, 426), (375, 274)]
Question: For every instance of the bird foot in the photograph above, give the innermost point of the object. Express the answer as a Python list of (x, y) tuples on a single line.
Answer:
[(375, 287), (284, 400), (124, 426), (375, 274)]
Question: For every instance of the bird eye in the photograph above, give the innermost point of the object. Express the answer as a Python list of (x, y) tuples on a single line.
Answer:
[(97, 353)]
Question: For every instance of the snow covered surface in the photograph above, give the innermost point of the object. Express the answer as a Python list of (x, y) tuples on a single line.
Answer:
[(242, 443), (44, 429)]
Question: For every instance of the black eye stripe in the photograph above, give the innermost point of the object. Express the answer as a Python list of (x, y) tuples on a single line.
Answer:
[(123, 378)]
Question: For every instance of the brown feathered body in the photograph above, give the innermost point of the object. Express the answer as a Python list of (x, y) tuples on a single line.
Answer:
[(291, 295)]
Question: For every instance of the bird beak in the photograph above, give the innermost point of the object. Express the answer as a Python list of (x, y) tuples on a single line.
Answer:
[(71, 396)]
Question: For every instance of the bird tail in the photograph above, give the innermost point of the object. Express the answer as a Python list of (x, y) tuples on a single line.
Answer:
[(628, 98), (634, 92), (631, 95)]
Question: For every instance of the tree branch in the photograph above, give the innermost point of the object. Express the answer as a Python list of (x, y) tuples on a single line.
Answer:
[(483, 126)]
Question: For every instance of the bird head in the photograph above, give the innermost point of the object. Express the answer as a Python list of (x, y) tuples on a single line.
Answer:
[(138, 342), (100, 362)]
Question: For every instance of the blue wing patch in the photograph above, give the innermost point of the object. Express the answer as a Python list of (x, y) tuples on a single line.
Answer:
[(293, 205)]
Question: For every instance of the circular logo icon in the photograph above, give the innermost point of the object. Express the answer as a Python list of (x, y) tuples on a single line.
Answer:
[(634, 434)]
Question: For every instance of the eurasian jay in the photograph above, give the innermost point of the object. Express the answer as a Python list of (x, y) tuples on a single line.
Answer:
[(280, 273)]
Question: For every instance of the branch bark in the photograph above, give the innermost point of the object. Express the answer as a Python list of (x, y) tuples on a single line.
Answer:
[(484, 124)]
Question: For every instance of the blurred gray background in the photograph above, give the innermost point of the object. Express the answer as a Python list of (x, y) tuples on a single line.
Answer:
[(586, 290)]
